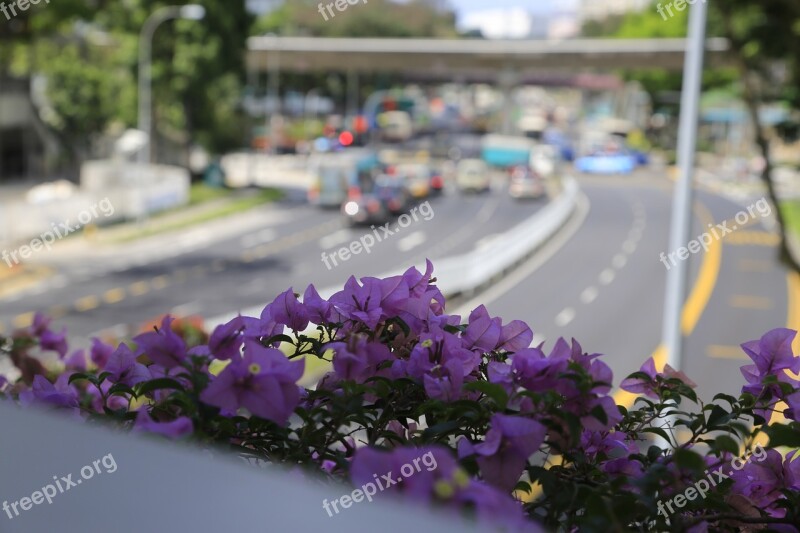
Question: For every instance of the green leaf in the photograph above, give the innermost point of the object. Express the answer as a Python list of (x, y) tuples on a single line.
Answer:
[(727, 444), (80, 375), (783, 435), (157, 384), (494, 391), (689, 460)]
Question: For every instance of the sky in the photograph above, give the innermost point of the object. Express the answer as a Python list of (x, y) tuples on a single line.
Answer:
[(471, 6), (505, 18)]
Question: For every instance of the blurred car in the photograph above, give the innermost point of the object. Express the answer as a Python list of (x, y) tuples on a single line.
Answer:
[(418, 178), (437, 183), (473, 175), (616, 161), (546, 160), (396, 126), (389, 197), (525, 183)]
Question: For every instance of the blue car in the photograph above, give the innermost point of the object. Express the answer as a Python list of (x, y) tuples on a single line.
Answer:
[(606, 163)]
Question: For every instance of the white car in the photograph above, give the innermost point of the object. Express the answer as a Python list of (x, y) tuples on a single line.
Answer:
[(473, 175)]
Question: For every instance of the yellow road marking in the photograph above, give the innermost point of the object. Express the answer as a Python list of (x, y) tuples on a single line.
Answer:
[(22, 321), (719, 351), (87, 303), (159, 282), (139, 288), (752, 238), (57, 311), (218, 265), (750, 302), (754, 265), (113, 296)]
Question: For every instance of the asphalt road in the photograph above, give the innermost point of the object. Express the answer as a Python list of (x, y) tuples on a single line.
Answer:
[(600, 280), (238, 264)]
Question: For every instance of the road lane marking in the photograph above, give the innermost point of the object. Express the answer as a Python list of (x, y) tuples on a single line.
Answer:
[(589, 294), (706, 277), (412, 241), (139, 288), (754, 265), (693, 307), (337, 237), (619, 261), (565, 317), (743, 301), (629, 247), (719, 351), (606, 276), (22, 321), (254, 239), (87, 303), (113, 296), (753, 238), (159, 282)]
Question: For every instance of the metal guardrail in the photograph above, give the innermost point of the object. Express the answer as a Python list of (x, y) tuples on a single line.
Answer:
[(465, 274)]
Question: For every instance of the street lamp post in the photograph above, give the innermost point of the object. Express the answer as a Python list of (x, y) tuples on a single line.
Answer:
[(188, 12)]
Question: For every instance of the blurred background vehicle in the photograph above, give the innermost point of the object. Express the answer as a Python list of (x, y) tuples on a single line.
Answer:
[(387, 198), (473, 175), (526, 183)]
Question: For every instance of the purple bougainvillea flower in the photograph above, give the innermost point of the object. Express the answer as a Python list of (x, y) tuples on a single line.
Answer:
[(641, 385), (515, 336), (434, 463), (436, 348), (360, 302), (262, 328), (509, 443), (444, 382), (287, 310), (761, 481), (773, 352), (483, 332), (607, 443), (124, 368), (40, 324), (164, 347), (55, 342), (226, 340), (174, 429), (263, 381), (772, 356), (59, 394), (320, 311), (100, 353), (358, 358), (76, 361)]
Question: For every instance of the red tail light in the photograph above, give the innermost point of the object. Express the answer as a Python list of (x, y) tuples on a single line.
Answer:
[(354, 193), (436, 182), (394, 205), (373, 206)]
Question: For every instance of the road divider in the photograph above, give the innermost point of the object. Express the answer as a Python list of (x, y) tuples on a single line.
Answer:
[(469, 273)]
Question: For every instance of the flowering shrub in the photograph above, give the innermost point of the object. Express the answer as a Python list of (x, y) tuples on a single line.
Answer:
[(523, 439)]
